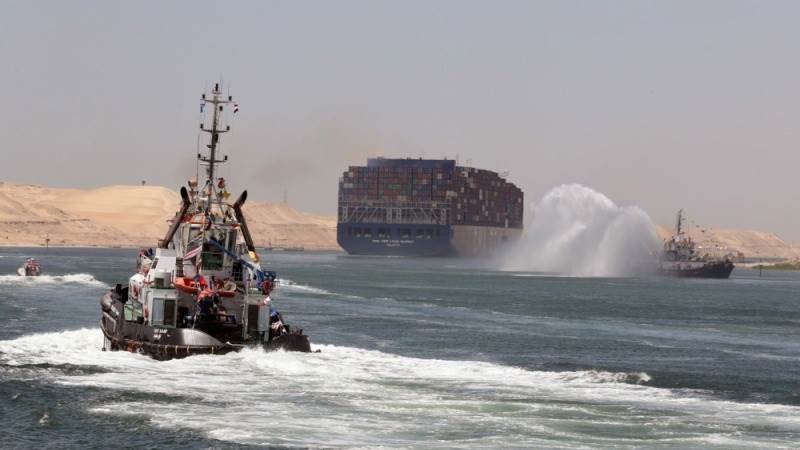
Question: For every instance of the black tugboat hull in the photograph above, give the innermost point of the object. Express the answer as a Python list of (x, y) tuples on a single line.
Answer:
[(720, 270), (290, 343), (170, 343), (164, 352)]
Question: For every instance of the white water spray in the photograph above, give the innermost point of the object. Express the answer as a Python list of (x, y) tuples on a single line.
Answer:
[(70, 278), (578, 231)]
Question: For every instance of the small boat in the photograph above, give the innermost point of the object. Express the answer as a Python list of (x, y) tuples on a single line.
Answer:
[(680, 258), (31, 268), (203, 289)]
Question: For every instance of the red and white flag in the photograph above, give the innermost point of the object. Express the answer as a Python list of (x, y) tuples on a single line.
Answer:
[(192, 253), (195, 249)]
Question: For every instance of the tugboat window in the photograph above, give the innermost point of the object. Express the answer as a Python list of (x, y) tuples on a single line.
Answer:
[(236, 271), (194, 232), (169, 313), (212, 258), (133, 312), (231, 242)]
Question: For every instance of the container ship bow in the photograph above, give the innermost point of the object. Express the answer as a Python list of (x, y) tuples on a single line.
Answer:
[(426, 207)]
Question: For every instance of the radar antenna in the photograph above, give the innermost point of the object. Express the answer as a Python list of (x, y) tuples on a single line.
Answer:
[(216, 101)]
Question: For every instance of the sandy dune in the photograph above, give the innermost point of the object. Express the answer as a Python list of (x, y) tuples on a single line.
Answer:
[(133, 216), (753, 244)]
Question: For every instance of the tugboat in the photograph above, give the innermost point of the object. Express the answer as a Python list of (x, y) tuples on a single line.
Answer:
[(31, 268), (680, 258), (202, 290)]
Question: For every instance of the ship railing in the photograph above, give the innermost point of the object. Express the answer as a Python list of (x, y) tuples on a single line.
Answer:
[(395, 213), (421, 221), (382, 204)]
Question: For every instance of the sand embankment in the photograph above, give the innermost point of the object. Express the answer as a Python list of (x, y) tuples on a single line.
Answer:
[(134, 216), (753, 244)]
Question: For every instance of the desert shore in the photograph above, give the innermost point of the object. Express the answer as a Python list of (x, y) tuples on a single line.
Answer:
[(752, 244), (136, 216)]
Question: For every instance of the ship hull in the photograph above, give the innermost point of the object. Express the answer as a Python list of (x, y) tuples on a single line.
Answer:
[(721, 269), (474, 241), (419, 240), (170, 343), (395, 239)]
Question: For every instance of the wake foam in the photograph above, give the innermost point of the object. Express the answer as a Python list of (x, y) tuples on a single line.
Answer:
[(74, 278), (578, 231), (291, 286), (357, 397)]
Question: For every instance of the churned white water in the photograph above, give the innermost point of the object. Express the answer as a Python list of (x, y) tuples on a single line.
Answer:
[(578, 231), (289, 285), (417, 355), (72, 278), (344, 397)]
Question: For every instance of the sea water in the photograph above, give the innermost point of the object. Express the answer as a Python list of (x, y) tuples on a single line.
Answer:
[(414, 353)]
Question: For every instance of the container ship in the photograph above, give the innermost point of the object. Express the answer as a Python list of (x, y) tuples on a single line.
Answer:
[(426, 207)]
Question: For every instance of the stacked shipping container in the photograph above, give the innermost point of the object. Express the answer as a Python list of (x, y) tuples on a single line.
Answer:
[(474, 196), (484, 198)]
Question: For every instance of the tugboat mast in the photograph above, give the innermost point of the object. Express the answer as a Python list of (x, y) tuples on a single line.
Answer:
[(679, 223), (216, 101)]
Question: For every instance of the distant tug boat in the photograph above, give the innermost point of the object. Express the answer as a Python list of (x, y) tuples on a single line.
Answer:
[(31, 268), (202, 291), (680, 258)]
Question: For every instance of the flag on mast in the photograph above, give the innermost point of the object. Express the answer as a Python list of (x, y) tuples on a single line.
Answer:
[(194, 247), (235, 108)]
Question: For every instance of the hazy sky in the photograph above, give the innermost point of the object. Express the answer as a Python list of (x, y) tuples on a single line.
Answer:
[(692, 104)]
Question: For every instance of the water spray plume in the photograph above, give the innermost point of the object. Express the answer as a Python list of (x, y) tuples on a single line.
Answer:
[(578, 231)]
